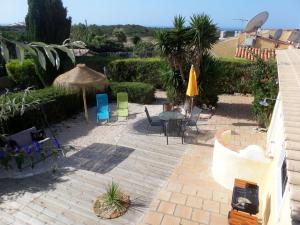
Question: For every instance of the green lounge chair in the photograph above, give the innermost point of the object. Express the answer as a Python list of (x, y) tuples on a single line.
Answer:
[(122, 104)]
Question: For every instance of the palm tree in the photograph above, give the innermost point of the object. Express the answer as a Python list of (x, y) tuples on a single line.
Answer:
[(172, 43), (202, 35)]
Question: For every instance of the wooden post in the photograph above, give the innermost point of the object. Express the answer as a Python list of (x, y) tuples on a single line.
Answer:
[(192, 103), (85, 105)]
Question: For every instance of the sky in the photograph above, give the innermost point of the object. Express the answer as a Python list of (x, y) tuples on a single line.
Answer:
[(159, 13)]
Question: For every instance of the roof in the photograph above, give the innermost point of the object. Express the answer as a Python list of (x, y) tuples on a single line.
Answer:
[(294, 37), (289, 85), (78, 52)]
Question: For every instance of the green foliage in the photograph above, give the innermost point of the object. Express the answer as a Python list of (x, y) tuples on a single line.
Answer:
[(96, 62), (183, 46), (113, 198), (16, 33), (137, 92), (47, 21), (173, 84), (264, 85), (24, 74), (136, 70), (13, 105), (233, 75), (59, 104), (120, 35), (136, 39), (145, 49)]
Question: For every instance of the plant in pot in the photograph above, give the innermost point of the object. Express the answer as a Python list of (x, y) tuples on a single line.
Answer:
[(112, 204)]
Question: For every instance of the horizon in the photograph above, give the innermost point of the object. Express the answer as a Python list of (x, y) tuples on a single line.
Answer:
[(160, 14)]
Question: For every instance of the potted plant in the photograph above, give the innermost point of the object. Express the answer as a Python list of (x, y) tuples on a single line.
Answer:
[(112, 204)]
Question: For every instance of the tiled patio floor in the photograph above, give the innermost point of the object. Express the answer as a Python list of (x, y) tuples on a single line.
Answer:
[(191, 196), (176, 178)]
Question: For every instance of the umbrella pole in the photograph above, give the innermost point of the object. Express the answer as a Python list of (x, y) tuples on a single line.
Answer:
[(85, 105), (192, 104)]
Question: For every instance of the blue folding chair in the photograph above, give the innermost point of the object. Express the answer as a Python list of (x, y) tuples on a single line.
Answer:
[(102, 107)]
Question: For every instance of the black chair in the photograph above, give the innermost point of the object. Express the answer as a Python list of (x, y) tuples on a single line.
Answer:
[(152, 122), (193, 120), (175, 128)]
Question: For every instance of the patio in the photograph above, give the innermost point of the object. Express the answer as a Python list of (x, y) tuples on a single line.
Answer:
[(173, 180)]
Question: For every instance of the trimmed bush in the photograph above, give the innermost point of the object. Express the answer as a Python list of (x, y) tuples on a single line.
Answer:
[(96, 62), (233, 75), (24, 74), (137, 92), (136, 70), (264, 85), (59, 104)]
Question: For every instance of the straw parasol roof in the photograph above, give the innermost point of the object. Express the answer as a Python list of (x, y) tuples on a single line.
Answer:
[(81, 77)]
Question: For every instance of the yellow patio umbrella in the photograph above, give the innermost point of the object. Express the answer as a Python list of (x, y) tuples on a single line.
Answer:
[(192, 89), (81, 77)]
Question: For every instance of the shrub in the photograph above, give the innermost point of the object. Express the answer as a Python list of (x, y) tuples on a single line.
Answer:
[(59, 104), (96, 62), (137, 70), (24, 74), (264, 85), (145, 49), (137, 92), (233, 75)]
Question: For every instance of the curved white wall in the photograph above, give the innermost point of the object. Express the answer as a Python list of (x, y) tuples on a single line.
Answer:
[(229, 165)]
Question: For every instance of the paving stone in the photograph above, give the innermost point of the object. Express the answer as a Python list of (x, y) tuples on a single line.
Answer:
[(183, 211), (178, 198), (166, 207), (200, 216), (211, 206), (153, 218), (170, 220), (195, 202)]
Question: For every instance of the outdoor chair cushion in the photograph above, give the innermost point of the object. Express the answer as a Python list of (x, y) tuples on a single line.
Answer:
[(122, 104), (102, 107)]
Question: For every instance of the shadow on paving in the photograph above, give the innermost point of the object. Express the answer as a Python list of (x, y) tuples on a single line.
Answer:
[(98, 157), (11, 189), (234, 111), (140, 127)]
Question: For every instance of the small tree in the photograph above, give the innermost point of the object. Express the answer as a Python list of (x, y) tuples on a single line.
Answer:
[(47, 21), (172, 45), (120, 35), (202, 35), (136, 39)]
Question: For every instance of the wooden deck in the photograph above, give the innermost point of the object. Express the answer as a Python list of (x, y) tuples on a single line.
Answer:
[(141, 164)]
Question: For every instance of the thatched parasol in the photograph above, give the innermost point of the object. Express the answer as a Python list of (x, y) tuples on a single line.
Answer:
[(81, 77)]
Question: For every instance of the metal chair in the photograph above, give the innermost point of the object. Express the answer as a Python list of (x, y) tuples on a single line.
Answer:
[(175, 128), (193, 119), (152, 122)]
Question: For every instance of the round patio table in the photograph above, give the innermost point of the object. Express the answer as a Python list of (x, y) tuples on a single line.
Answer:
[(165, 116)]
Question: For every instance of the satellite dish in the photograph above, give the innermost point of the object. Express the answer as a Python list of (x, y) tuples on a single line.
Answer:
[(256, 22), (277, 34)]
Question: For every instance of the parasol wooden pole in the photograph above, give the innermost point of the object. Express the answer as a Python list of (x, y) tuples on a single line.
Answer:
[(85, 105), (192, 104)]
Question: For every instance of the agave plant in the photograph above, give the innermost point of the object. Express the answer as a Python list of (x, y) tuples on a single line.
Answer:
[(113, 198), (10, 106), (39, 50)]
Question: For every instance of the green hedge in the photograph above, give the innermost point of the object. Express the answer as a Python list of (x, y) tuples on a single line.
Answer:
[(233, 75), (137, 70), (59, 104), (23, 73), (96, 62), (264, 85), (137, 92)]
